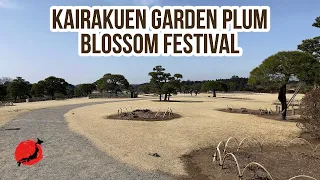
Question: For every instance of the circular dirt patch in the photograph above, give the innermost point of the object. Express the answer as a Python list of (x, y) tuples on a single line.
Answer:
[(281, 163), (269, 114), (145, 115)]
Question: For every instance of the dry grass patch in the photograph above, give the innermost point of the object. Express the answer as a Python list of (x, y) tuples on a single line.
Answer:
[(200, 126)]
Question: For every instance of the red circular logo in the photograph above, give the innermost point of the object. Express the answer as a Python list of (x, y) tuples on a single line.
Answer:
[(28, 152)]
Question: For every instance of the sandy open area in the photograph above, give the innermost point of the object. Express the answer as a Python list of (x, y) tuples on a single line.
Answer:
[(200, 126), (9, 112)]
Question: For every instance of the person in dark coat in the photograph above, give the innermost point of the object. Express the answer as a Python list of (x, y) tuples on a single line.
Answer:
[(282, 98)]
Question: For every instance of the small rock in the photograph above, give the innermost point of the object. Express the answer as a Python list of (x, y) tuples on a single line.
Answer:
[(154, 154)]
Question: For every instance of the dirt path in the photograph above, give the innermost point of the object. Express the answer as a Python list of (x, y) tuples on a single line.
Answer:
[(66, 154)]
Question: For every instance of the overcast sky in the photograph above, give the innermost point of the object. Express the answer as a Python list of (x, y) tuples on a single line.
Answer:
[(29, 49)]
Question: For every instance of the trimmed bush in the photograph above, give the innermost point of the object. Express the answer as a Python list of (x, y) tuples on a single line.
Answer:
[(310, 112)]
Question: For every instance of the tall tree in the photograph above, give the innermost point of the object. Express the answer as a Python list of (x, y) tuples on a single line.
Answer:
[(19, 88), (172, 85), (163, 83), (84, 89), (55, 85), (38, 89), (254, 78), (112, 82), (317, 22), (187, 86), (196, 88), (222, 86), (4, 83), (70, 90), (158, 76), (210, 86), (282, 66), (3, 91), (312, 46), (166, 88)]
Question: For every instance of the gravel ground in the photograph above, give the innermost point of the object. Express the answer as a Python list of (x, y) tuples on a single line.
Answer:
[(66, 154)]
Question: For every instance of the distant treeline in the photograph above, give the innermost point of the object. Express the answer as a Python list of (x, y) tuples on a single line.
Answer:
[(19, 89), (235, 83)]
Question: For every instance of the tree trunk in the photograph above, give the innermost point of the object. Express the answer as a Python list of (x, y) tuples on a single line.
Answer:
[(169, 97), (282, 98), (160, 96), (165, 96), (214, 93)]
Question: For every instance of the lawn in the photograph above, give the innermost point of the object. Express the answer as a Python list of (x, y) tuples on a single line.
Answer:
[(200, 126)]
